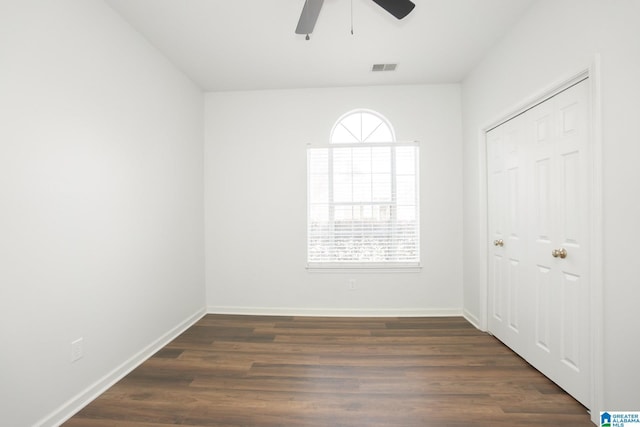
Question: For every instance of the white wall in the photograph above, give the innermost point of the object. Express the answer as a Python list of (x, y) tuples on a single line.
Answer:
[(557, 38), (255, 201), (101, 210)]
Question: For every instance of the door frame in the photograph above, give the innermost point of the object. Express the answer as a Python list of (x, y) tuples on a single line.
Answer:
[(593, 74)]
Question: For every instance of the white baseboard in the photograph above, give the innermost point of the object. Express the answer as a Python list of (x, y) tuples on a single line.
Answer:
[(75, 404), (471, 318), (336, 312)]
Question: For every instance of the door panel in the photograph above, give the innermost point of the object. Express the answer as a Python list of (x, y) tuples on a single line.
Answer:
[(498, 262), (506, 226), (542, 284), (542, 195), (572, 361), (570, 343), (570, 212), (496, 204), (514, 294)]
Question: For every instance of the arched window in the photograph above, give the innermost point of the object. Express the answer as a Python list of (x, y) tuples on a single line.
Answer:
[(362, 126), (363, 196)]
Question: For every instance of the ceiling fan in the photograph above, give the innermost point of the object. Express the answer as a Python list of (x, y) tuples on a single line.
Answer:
[(311, 10)]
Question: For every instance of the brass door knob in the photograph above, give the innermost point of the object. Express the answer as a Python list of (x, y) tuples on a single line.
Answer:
[(562, 253), (498, 243)]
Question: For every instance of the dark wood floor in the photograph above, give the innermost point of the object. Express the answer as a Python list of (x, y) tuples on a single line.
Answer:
[(298, 371)]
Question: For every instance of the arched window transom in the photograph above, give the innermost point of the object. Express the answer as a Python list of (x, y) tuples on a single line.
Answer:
[(362, 126)]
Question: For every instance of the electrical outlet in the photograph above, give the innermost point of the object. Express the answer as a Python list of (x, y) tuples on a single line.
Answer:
[(76, 349), (351, 283)]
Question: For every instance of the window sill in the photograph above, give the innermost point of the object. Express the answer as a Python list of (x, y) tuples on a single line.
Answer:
[(364, 268)]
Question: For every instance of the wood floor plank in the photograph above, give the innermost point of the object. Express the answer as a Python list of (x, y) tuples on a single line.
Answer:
[(230, 370)]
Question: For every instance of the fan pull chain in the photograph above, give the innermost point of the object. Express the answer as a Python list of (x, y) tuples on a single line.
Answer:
[(351, 17)]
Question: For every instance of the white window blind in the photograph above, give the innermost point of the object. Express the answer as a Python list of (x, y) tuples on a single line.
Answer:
[(363, 207)]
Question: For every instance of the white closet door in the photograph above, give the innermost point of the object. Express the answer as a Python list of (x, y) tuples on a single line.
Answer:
[(507, 213), (560, 196), (538, 283)]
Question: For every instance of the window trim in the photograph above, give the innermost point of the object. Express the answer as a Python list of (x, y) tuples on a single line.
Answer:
[(389, 267)]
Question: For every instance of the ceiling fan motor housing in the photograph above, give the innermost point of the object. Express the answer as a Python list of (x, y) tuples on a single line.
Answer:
[(311, 10)]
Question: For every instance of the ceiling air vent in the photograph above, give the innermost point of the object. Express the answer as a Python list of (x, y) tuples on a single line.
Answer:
[(384, 67)]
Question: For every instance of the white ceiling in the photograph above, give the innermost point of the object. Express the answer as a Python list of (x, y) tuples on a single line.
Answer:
[(250, 44)]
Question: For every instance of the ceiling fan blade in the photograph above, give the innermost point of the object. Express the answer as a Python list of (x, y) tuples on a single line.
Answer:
[(309, 16), (398, 8)]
